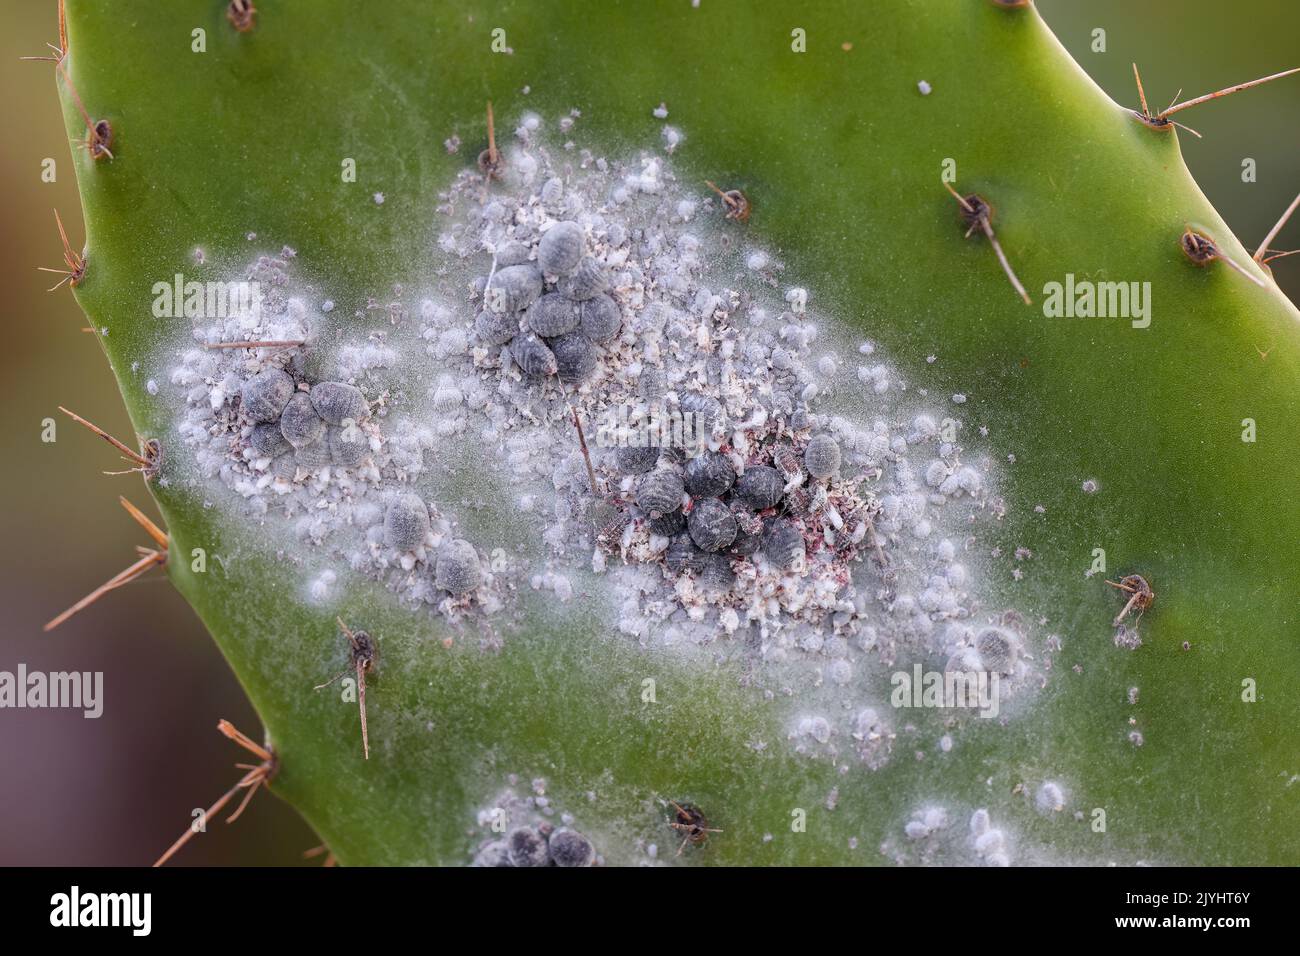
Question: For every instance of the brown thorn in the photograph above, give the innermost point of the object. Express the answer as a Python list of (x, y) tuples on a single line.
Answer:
[(230, 731), (76, 264), (1242, 269), (131, 455), (361, 663), (1141, 93), (1226, 91), (324, 850), (361, 700), (347, 632), (67, 277), (189, 831), (1119, 618), (62, 49), (582, 443), (1201, 248), (257, 776), (1006, 266), (142, 519), (81, 107), (95, 142), (119, 579), (1278, 255), (492, 136), (252, 789), (332, 679), (725, 198), (960, 198), (980, 218), (1277, 227), (735, 201)]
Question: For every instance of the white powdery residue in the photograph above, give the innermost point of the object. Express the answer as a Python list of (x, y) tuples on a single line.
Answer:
[(989, 842), (860, 557)]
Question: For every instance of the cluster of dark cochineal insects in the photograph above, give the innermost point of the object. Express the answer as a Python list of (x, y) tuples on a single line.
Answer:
[(556, 332), (318, 426), (542, 845), (712, 516)]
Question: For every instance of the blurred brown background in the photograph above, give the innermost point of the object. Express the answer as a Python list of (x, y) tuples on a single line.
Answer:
[(119, 789)]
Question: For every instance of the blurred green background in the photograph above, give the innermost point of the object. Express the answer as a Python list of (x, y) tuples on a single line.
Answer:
[(119, 789)]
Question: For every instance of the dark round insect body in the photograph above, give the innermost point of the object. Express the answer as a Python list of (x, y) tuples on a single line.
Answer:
[(406, 522), (264, 396), (635, 459), (527, 847), (746, 543), (533, 356), (998, 650), (561, 248), (711, 524), (587, 281), (575, 357), (571, 848), (300, 423), (709, 475), (760, 487), (457, 569), (496, 328), (660, 492), (705, 410), (337, 402), (822, 457), (348, 445), (552, 315), (496, 853), (314, 455), (717, 574), (512, 289), (511, 253), (669, 525), (683, 555), (267, 441), (783, 545), (746, 521), (600, 317)]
